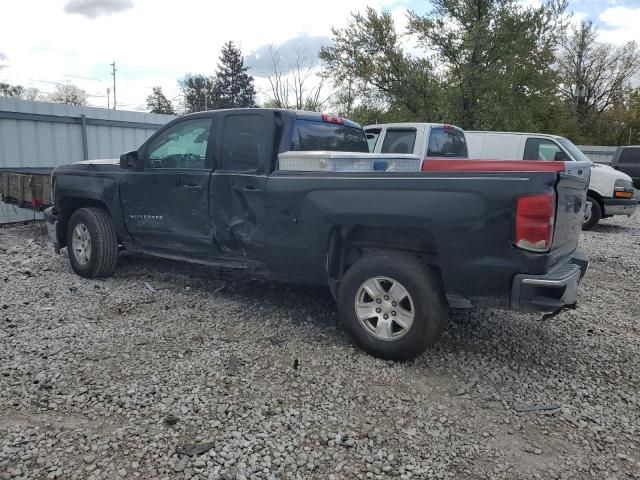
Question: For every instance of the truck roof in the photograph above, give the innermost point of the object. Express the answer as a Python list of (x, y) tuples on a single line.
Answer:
[(410, 125), (543, 135), (302, 114)]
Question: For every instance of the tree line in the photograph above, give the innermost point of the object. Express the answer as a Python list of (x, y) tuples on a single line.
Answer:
[(63, 93), (479, 64), (489, 65)]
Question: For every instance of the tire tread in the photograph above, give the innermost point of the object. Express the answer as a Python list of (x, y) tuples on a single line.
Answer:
[(429, 328), (105, 243)]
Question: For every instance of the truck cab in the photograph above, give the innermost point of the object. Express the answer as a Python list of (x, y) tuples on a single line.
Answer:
[(438, 140), (627, 160), (610, 191)]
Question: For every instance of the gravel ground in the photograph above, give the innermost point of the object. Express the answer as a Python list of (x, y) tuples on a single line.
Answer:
[(170, 370)]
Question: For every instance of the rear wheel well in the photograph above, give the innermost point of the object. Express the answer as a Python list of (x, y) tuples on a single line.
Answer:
[(349, 243), (68, 205)]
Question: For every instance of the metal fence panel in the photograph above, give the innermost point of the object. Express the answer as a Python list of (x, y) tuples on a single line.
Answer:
[(43, 134), (598, 153)]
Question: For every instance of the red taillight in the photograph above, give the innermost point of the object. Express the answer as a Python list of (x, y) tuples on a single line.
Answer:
[(534, 221), (332, 119)]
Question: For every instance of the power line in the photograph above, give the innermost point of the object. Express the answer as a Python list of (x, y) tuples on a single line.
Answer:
[(83, 78)]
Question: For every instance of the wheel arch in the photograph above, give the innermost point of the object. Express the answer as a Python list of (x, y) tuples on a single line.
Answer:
[(596, 196), (348, 243), (68, 205)]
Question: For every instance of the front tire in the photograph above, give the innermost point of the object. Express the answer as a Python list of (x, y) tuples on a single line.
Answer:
[(592, 220), (92, 244), (392, 305)]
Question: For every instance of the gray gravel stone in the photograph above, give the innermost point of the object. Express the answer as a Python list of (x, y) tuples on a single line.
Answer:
[(90, 371)]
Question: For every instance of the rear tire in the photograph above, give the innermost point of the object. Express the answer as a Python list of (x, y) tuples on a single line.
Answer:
[(392, 305), (92, 244), (596, 214)]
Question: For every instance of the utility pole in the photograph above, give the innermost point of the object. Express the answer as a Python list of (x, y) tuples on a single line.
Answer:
[(108, 97), (113, 66)]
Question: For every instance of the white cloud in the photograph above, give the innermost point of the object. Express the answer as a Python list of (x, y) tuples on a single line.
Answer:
[(97, 8), (153, 42), (304, 46), (620, 25)]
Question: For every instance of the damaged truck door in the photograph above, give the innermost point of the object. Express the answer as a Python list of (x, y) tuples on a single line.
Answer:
[(245, 140), (165, 196)]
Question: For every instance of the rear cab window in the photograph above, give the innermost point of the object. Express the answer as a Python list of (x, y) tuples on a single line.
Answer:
[(398, 140), (309, 135), (448, 142)]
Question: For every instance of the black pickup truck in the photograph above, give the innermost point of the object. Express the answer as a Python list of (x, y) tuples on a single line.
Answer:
[(397, 245)]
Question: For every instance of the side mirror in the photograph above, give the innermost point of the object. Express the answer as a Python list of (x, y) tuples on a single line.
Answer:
[(560, 156), (129, 160)]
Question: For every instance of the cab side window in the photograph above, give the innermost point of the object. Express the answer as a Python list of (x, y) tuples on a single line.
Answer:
[(541, 149), (184, 145), (630, 156), (242, 142), (372, 138)]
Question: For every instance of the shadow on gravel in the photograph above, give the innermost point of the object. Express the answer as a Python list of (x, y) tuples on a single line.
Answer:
[(508, 337), (498, 335), (608, 228), (299, 300)]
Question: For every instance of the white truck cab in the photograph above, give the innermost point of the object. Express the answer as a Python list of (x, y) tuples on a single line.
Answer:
[(422, 139), (610, 191)]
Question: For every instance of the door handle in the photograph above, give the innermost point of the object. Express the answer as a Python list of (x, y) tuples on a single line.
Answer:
[(247, 189), (193, 187)]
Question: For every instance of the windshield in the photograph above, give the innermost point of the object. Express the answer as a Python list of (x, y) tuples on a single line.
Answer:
[(574, 151), (312, 135)]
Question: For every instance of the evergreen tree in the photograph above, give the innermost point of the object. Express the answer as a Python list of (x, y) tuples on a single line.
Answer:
[(157, 102), (198, 93), (233, 87)]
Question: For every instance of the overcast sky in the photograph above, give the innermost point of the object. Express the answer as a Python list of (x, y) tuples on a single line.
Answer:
[(153, 42)]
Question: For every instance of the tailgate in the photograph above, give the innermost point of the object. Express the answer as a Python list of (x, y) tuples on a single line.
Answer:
[(571, 189)]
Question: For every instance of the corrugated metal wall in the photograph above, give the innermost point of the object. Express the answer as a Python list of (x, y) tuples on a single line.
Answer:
[(598, 153), (13, 213), (42, 134)]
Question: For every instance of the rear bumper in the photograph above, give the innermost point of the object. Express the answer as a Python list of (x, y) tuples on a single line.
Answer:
[(620, 206), (550, 292), (51, 219)]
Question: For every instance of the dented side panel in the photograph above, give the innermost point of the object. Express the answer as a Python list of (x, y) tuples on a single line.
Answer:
[(238, 213)]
